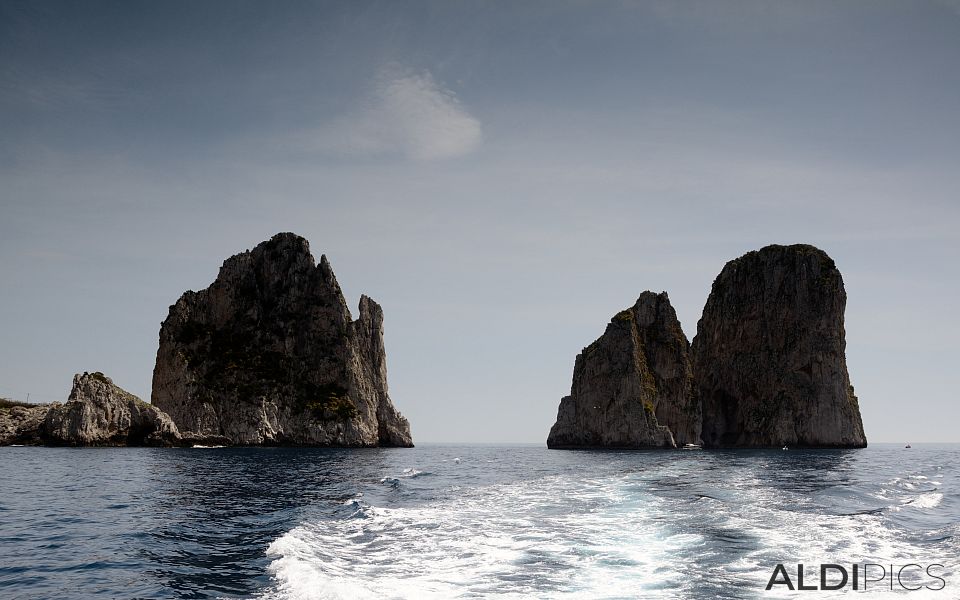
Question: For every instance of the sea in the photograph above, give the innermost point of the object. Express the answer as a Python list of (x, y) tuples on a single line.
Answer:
[(449, 521)]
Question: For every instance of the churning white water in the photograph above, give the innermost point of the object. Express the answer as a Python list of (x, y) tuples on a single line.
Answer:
[(619, 525)]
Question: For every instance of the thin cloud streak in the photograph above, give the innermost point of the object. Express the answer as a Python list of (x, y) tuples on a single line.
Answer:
[(409, 115)]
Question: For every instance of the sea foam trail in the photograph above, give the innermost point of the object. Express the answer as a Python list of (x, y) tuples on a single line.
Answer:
[(657, 532), (532, 539)]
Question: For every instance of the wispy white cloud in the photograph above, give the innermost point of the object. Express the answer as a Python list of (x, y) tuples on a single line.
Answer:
[(405, 114)]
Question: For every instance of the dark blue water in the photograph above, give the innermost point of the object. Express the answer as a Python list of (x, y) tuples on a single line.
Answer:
[(465, 522)]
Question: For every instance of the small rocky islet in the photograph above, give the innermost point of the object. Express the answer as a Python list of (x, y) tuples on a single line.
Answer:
[(97, 413), (767, 367)]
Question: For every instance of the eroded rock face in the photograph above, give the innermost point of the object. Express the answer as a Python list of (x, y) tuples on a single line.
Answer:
[(769, 355), (632, 387), (99, 413), (269, 354), (21, 424)]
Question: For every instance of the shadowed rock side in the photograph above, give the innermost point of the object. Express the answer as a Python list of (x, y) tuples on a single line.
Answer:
[(768, 358), (99, 413), (631, 387), (269, 354), (668, 355)]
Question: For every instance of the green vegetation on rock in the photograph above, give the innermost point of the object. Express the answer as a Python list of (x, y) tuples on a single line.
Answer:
[(326, 402)]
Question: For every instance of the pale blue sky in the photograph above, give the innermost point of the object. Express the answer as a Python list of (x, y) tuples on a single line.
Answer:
[(502, 177)]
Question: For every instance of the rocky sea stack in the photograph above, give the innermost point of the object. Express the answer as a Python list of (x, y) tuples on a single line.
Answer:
[(632, 386), (270, 355), (769, 355), (767, 367)]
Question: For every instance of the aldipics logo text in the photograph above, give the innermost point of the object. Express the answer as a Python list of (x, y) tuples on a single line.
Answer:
[(863, 577)]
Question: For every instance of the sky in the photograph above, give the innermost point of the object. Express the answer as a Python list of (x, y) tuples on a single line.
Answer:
[(502, 177)]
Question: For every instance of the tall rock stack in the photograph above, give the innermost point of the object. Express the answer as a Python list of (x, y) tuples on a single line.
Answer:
[(667, 353), (769, 355), (269, 354), (766, 369), (632, 386)]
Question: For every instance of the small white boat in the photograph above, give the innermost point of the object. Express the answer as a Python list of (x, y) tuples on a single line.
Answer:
[(691, 447), (785, 448)]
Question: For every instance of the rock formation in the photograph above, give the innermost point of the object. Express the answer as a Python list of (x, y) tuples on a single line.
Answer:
[(766, 369), (632, 386), (20, 422), (768, 358), (99, 413), (269, 354)]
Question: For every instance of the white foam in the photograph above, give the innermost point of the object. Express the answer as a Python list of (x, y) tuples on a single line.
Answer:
[(585, 536), (507, 541), (929, 500)]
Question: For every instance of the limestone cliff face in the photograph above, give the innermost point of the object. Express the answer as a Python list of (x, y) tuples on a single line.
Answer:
[(769, 355), (632, 387), (99, 413), (20, 424), (269, 354)]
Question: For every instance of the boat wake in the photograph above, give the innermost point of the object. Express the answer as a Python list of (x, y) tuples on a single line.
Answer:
[(644, 533)]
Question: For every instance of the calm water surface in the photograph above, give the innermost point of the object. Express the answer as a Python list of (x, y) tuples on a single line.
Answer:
[(464, 522)]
